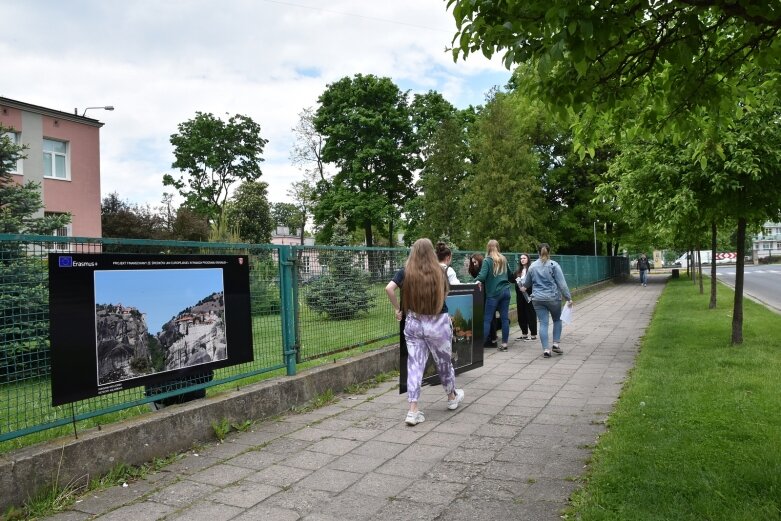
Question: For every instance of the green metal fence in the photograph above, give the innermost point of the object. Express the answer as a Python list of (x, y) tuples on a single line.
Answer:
[(307, 303)]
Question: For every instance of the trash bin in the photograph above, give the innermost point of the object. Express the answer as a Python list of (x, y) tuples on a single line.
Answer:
[(676, 274)]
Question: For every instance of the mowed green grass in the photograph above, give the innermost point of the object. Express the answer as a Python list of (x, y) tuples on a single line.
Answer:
[(696, 434)]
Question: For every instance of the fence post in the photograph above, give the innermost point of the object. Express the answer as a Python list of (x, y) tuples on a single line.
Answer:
[(287, 268)]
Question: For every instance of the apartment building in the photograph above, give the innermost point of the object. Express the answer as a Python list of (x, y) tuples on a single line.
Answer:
[(63, 156), (768, 242)]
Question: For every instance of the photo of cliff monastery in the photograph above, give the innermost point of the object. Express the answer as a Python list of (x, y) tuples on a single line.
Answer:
[(164, 329)]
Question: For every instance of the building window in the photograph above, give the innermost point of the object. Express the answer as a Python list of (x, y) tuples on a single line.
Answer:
[(64, 231), (14, 167), (55, 159), (778, 245), (767, 245)]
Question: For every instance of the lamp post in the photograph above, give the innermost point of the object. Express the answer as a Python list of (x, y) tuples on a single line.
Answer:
[(106, 107), (595, 238)]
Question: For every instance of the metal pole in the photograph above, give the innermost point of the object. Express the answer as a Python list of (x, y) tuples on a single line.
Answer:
[(595, 238)]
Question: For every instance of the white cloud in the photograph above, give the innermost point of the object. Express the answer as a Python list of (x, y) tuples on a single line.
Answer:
[(160, 62)]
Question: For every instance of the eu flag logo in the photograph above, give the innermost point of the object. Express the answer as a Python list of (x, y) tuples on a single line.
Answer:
[(66, 262)]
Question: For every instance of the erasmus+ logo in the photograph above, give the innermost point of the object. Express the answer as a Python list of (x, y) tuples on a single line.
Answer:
[(66, 262)]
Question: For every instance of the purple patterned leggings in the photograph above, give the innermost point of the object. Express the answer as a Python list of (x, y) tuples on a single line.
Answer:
[(424, 334)]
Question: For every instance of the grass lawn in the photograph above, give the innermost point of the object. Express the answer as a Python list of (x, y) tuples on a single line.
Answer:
[(696, 434)]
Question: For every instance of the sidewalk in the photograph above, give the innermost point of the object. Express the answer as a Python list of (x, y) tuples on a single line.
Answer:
[(514, 449)]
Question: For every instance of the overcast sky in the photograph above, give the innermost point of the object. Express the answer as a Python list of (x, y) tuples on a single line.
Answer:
[(158, 62)]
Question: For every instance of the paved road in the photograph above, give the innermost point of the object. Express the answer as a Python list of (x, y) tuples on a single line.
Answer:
[(515, 449), (762, 283)]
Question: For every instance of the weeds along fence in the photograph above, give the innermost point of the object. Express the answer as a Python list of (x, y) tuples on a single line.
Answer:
[(307, 303)]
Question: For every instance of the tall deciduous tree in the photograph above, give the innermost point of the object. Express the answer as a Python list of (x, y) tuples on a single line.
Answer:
[(439, 209), (213, 155), (123, 219), (287, 215), (248, 212), (302, 193), (307, 151), (368, 136), (653, 62)]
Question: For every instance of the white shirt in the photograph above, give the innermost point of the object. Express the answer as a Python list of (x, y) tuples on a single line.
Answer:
[(452, 278)]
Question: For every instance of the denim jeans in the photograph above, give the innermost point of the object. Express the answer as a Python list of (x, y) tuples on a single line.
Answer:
[(643, 276), (544, 310), (502, 303)]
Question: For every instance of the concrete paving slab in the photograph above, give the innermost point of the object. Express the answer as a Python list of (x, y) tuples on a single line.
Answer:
[(515, 449)]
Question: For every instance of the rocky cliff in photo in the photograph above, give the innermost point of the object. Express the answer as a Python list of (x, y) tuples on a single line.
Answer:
[(122, 343)]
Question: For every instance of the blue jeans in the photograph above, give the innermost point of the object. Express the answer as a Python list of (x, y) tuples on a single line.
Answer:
[(502, 303), (545, 309), (643, 276)]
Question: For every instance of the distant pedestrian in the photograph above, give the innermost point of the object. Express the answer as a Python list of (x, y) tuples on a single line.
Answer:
[(428, 328), (475, 263), (527, 318), (546, 280), (493, 274), (445, 256), (643, 266)]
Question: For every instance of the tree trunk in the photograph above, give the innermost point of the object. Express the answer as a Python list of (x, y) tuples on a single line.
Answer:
[(737, 311), (690, 264), (367, 228), (303, 225), (712, 304), (699, 267), (391, 242)]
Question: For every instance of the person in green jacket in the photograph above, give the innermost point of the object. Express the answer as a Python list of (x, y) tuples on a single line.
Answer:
[(493, 274)]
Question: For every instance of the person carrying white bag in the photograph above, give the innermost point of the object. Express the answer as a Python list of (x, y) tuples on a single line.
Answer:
[(546, 280)]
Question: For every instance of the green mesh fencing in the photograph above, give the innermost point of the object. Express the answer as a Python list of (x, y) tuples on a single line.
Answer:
[(307, 302)]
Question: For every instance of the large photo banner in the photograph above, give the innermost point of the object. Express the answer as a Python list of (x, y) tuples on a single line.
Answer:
[(122, 321), (465, 307)]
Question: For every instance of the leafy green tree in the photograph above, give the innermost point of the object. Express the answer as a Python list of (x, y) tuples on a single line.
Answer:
[(740, 183), (286, 214), (189, 226), (248, 212), (438, 210), (307, 150), (368, 136), (662, 65), (302, 193), (343, 292), (123, 219), (213, 155)]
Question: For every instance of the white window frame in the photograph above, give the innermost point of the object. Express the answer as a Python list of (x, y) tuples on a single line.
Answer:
[(54, 156), (15, 138)]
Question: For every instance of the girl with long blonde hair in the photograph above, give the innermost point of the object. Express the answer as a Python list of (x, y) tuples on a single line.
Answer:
[(493, 274), (427, 328)]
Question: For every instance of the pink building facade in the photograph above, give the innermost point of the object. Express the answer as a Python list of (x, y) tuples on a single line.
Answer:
[(63, 156)]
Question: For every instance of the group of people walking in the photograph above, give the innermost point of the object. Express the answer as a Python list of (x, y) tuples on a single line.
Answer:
[(426, 278)]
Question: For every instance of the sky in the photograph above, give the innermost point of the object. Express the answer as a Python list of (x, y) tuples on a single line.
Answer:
[(150, 290), (158, 62)]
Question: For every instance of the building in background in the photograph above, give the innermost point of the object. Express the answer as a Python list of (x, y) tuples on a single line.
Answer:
[(768, 242), (63, 156)]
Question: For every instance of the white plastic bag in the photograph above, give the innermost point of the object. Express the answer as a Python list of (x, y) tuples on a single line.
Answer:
[(567, 314)]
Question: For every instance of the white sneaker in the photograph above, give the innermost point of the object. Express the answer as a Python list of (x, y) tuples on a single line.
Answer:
[(414, 418), (453, 404)]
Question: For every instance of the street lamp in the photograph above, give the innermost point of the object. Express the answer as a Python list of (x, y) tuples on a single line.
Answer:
[(595, 238), (107, 107)]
